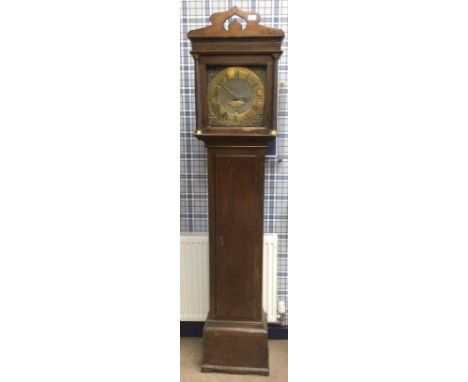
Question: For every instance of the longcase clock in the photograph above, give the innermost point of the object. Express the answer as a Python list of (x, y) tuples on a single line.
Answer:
[(236, 91)]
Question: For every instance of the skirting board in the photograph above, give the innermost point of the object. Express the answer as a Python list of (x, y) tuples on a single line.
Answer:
[(195, 329)]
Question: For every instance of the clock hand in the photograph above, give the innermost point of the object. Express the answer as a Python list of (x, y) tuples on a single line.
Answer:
[(236, 97), (230, 92)]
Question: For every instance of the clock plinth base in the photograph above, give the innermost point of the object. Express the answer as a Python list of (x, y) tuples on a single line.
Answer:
[(236, 347)]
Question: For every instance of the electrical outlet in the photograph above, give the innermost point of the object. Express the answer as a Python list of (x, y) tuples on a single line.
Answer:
[(281, 307)]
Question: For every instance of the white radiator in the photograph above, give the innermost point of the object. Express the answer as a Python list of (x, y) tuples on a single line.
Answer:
[(194, 278)]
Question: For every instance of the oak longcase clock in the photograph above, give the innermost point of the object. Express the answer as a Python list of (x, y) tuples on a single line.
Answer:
[(236, 91)]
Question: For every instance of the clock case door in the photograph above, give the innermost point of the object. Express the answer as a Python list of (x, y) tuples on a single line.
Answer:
[(264, 61), (236, 232)]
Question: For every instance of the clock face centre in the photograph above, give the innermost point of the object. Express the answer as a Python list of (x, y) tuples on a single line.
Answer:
[(236, 97)]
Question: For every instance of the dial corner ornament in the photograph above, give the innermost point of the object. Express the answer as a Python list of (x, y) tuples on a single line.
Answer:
[(236, 97)]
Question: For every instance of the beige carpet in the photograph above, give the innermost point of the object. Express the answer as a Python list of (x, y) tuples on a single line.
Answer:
[(191, 358)]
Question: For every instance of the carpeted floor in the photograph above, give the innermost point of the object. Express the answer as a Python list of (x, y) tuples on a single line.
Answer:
[(191, 357)]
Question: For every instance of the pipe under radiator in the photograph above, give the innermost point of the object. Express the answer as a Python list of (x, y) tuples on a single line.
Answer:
[(194, 277)]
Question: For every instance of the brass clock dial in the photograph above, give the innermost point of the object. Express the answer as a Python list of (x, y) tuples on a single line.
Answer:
[(236, 97)]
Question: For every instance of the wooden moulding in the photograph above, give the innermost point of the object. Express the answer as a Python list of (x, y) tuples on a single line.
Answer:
[(236, 46), (219, 140), (195, 329)]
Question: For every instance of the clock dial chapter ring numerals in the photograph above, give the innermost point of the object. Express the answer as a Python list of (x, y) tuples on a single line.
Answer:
[(236, 97)]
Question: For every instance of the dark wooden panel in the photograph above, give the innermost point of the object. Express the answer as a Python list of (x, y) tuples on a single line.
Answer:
[(236, 216)]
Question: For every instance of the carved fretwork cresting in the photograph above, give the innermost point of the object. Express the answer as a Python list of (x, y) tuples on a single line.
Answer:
[(252, 28)]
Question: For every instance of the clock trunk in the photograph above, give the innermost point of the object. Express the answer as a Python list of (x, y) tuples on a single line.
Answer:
[(236, 231)]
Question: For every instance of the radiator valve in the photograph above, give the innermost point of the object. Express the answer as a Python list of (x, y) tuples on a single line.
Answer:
[(281, 310)]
